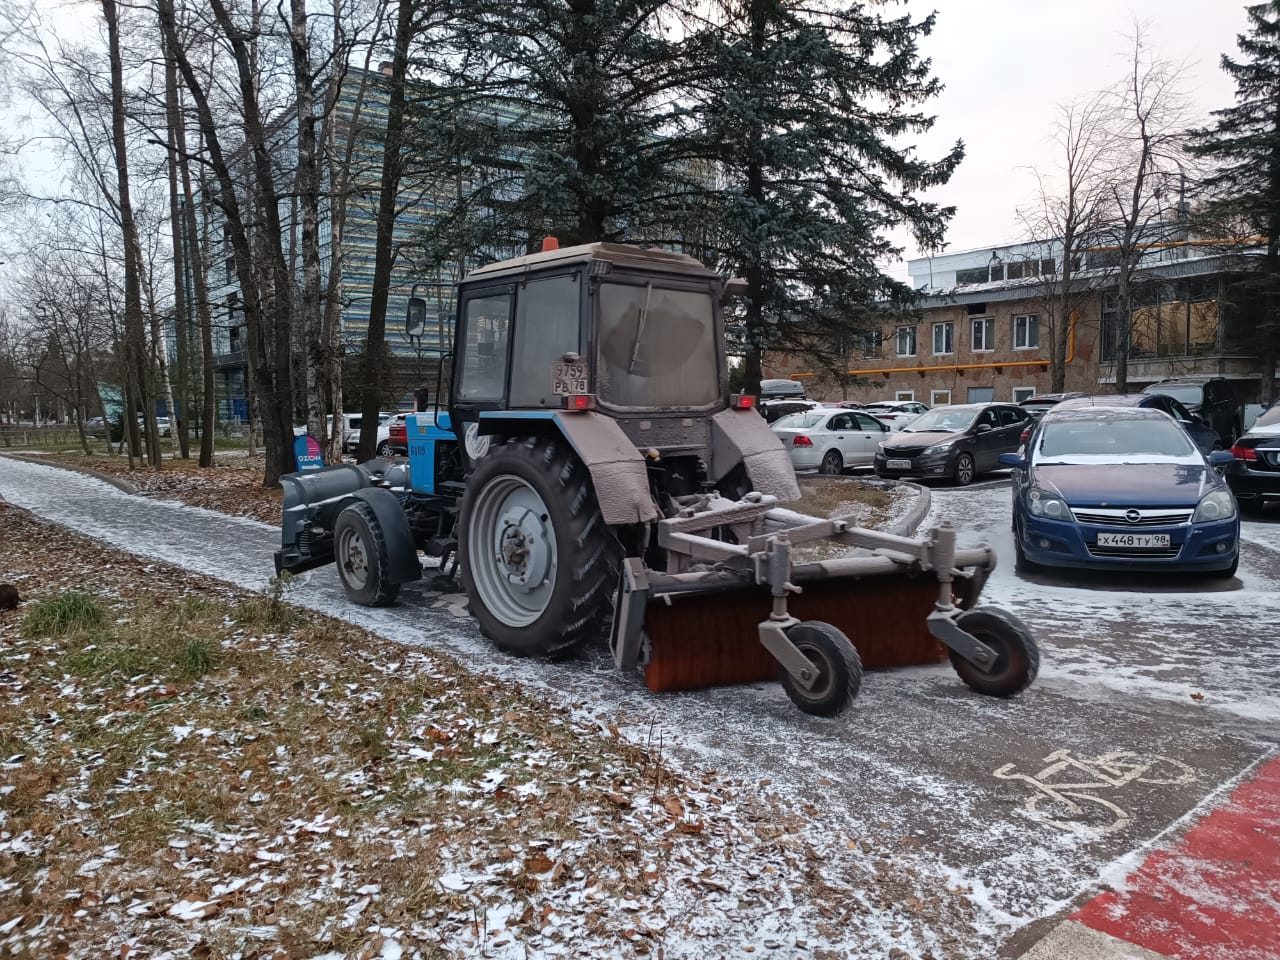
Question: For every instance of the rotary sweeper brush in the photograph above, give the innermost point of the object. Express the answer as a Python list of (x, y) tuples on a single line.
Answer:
[(588, 476)]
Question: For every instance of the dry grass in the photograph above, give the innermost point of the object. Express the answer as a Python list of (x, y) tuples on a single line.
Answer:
[(168, 740)]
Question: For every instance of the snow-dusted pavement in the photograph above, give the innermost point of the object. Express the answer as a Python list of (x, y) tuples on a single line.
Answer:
[(1166, 691)]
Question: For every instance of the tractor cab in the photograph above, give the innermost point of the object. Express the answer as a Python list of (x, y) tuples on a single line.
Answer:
[(620, 333)]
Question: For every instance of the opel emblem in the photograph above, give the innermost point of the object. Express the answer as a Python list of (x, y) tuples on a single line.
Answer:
[(1133, 516)]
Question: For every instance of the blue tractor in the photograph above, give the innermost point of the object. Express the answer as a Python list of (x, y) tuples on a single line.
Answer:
[(586, 465)]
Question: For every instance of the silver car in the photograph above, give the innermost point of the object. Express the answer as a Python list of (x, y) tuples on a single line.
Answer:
[(830, 440)]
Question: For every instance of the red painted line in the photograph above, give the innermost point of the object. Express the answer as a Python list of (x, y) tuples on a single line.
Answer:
[(1215, 894)]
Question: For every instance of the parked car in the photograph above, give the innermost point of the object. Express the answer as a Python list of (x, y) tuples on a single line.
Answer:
[(1204, 436), (398, 434), (1038, 405), (958, 442), (352, 423), (830, 440), (896, 413), (775, 410), (1121, 488), (1254, 474), (1210, 399)]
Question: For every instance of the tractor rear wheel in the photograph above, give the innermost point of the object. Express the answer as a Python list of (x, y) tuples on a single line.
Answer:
[(538, 562), (360, 552)]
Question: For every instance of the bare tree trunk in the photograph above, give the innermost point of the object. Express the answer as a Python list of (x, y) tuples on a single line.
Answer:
[(384, 251), (200, 281), (173, 119), (308, 195), (134, 334)]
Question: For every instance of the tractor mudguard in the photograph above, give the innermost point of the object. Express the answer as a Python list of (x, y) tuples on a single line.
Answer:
[(402, 553), (743, 436), (617, 469)]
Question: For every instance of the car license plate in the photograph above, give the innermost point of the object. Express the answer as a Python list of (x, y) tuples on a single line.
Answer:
[(899, 464), (1134, 541), (568, 379)]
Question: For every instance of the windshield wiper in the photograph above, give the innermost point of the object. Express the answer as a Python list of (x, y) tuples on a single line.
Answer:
[(635, 350)]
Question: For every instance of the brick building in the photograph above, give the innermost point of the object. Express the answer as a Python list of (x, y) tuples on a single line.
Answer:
[(984, 320)]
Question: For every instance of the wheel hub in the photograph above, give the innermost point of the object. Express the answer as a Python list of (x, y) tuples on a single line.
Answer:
[(523, 547)]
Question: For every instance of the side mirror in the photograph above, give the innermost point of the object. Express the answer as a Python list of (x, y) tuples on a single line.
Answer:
[(984, 428), (415, 320), (1220, 458), (1013, 460)]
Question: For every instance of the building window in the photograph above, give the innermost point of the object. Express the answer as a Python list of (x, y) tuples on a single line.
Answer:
[(939, 398), (1026, 332), (1023, 393), (869, 345), (944, 338), (904, 395), (977, 275), (906, 341), (984, 334)]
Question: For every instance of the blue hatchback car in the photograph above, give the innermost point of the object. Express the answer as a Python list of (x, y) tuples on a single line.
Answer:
[(1121, 488)]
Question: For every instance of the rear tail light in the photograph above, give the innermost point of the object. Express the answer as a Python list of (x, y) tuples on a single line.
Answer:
[(742, 401), (801, 441), (1025, 433), (1244, 453), (580, 402)]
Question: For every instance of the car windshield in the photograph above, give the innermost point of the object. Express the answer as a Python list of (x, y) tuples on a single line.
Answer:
[(1188, 393), (801, 421), (942, 421), (1114, 440)]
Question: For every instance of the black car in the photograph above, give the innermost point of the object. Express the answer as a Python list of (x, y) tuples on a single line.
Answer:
[(1254, 475), (1212, 400), (958, 442), (1037, 405), (1202, 435)]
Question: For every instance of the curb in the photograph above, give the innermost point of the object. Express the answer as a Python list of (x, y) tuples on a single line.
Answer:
[(124, 486), (908, 523)]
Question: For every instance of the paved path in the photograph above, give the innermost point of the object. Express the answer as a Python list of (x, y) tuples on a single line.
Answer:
[(1154, 692)]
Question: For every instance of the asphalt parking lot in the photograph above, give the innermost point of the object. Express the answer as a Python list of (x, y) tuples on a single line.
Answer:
[(1154, 696)]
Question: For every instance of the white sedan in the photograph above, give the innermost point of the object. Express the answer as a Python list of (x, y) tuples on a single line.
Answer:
[(830, 440), (896, 413)]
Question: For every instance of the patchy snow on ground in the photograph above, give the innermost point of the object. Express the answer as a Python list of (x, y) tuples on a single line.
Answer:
[(903, 784)]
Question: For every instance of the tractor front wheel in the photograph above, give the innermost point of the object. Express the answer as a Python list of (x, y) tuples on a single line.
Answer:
[(538, 562)]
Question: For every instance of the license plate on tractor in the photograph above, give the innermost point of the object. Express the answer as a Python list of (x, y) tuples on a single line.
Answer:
[(568, 379), (1135, 541), (899, 464)]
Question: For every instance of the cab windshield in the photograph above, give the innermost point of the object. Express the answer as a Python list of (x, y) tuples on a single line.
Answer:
[(657, 346)]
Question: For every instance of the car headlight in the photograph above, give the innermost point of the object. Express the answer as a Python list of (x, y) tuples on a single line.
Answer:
[(942, 447), (880, 446), (1047, 505), (1219, 505)]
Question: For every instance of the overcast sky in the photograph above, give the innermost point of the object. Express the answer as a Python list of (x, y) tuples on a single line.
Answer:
[(1007, 63)]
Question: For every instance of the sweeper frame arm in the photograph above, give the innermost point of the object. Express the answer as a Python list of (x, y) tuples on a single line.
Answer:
[(700, 563)]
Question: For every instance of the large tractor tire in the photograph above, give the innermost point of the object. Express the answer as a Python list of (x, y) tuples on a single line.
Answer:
[(538, 562)]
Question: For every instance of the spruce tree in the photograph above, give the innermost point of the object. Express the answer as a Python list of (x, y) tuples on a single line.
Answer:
[(567, 116), (806, 112), (1244, 146)]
